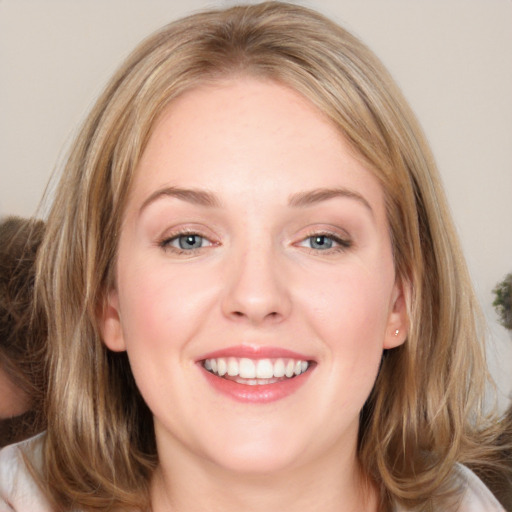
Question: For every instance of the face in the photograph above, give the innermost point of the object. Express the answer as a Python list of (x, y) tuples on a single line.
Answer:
[(255, 285)]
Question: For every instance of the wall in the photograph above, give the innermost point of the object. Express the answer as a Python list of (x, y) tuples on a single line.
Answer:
[(452, 58)]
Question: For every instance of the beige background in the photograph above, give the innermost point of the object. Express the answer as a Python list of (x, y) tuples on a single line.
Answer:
[(452, 58)]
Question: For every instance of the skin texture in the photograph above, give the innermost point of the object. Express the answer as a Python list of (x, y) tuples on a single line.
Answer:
[(256, 280)]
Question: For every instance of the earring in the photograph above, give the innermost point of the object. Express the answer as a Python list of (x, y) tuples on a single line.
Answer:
[(397, 331)]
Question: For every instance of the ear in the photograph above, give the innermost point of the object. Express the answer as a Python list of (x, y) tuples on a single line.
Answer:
[(109, 320), (398, 320)]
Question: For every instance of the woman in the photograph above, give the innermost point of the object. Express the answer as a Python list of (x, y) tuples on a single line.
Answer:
[(252, 278)]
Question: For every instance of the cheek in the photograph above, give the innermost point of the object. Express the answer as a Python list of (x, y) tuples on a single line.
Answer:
[(161, 312), (159, 307), (349, 314), (349, 306)]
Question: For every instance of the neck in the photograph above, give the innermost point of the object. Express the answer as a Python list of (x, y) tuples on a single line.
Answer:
[(324, 485)]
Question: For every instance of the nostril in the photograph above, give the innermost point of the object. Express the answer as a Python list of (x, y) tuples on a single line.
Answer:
[(240, 314)]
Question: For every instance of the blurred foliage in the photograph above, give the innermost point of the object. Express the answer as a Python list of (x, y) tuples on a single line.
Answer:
[(503, 301)]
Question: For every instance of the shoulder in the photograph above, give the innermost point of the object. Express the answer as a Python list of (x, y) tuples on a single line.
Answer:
[(18, 490), (473, 495), (477, 497)]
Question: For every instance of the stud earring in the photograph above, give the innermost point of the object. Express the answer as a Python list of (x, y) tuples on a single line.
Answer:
[(397, 331)]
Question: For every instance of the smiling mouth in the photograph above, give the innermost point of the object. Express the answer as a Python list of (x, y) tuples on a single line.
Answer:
[(254, 372)]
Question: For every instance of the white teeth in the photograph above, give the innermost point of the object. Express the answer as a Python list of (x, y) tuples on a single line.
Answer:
[(222, 367), (256, 371), (264, 369), (247, 369), (279, 368), (233, 367), (290, 367)]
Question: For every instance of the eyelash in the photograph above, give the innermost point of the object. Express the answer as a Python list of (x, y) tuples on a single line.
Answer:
[(341, 244), (165, 243)]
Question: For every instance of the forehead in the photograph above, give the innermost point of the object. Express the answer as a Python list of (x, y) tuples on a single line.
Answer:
[(251, 132)]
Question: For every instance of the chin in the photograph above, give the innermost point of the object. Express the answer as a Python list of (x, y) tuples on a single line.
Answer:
[(256, 447), (257, 460)]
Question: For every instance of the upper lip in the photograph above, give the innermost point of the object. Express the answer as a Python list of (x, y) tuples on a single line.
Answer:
[(255, 352)]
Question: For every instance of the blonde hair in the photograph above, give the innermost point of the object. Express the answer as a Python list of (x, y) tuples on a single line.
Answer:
[(100, 449)]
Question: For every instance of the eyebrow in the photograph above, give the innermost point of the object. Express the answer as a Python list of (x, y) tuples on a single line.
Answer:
[(311, 197), (193, 196), (298, 200)]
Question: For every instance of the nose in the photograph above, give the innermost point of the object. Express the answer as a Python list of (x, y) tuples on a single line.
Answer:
[(256, 288)]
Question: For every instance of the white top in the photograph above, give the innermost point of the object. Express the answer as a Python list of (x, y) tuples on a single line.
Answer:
[(19, 492)]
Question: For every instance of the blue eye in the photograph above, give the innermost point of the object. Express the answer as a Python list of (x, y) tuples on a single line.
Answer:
[(186, 242), (320, 242), (189, 241), (325, 243)]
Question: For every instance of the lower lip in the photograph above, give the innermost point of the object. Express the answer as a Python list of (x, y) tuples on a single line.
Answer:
[(264, 393)]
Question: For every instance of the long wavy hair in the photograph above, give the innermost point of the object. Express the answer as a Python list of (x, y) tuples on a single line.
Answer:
[(99, 450)]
